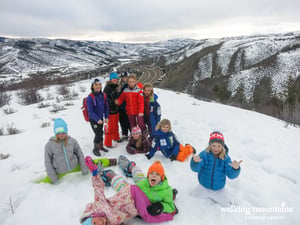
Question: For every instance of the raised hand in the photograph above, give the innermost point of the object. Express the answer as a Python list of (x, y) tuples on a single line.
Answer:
[(197, 158), (235, 164)]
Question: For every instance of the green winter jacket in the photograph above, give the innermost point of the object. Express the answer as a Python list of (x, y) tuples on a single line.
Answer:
[(159, 193)]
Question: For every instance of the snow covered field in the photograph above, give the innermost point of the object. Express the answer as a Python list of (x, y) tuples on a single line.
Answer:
[(266, 192)]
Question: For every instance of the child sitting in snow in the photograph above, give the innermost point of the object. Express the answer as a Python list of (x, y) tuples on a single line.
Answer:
[(213, 165), (138, 143), (164, 140), (151, 198), (63, 155)]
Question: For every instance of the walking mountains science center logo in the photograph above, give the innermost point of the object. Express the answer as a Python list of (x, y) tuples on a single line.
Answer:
[(260, 213)]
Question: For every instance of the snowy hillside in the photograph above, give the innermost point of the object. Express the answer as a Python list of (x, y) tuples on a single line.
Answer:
[(237, 62), (266, 192), (20, 57)]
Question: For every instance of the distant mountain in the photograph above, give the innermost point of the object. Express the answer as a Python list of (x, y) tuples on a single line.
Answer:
[(257, 72), (20, 57)]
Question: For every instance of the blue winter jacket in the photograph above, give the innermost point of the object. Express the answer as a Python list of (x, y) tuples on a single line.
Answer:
[(165, 142), (155, 112), (212, 171), (98, 107)]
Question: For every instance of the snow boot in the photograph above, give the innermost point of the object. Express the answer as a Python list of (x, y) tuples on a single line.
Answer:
[(126, 165), (96, 151), (107, 176), (101, 148), (112, 162), (90, 164), (95, 169)]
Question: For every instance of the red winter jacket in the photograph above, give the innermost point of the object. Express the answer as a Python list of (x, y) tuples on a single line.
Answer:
[(134, 99)]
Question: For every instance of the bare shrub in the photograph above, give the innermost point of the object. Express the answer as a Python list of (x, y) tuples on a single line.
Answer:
[(63, 90), (56, 108), (82, 88), (49, 96), (43, 105), (30, 96), (69, 103), (9, 110), (4, 98), (11, 129), (45, 124), (1, 131), (71, 95)]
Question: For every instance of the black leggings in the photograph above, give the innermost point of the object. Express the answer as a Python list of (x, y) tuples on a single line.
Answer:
[(98, 130)]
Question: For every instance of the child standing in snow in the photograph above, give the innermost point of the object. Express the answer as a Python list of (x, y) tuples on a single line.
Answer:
[(124, 122), (164, 140), (112, 93), (213, 165), (138, 143), (98, 110), (156, 205), (63, 154), (152, 112), (133, 96)]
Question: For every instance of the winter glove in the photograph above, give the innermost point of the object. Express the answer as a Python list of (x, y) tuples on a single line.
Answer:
[(148, 156), (155, 209), (173, 157)]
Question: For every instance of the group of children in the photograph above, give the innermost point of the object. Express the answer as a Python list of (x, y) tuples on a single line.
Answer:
[(151, 198)]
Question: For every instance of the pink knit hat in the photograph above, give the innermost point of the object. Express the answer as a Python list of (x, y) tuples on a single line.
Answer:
[(136, 130)]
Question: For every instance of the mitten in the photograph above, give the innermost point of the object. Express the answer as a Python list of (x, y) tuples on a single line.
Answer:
[(155, 209), (173, 157), (148, 156)]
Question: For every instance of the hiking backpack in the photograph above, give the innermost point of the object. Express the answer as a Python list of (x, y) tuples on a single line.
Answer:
[(84, 106)]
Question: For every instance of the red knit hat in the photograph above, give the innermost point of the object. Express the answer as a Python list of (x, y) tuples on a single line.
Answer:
[(216, 137), (158, 168)]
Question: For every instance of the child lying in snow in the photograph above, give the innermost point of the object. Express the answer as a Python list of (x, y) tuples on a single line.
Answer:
[(151, 198)]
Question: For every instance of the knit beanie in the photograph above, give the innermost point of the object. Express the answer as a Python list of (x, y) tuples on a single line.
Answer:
[(88, 221), (158, 168), (216, 137), (113, 75), (136, 130), (60, 126)]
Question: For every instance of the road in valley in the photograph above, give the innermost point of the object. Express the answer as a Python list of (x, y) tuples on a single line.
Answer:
[(150, 75)]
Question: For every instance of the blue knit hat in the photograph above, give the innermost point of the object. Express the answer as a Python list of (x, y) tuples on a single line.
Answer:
[(60, 126), (88, 221), (113, 75)]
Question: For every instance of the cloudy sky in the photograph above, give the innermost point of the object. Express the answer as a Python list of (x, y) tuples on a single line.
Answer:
[(146, 20)]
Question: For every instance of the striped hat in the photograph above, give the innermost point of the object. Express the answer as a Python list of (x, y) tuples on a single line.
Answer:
[(216, 136)]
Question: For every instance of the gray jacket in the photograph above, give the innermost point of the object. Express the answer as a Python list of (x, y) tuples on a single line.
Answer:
[(61, 159)]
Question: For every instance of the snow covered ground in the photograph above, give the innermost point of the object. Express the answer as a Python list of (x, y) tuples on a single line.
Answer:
[(266, 192)]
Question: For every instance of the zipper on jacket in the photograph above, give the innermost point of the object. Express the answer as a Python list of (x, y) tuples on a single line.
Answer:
[(67, 161), (212, 175)]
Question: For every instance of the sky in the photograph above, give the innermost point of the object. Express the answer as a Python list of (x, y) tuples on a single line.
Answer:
[(136, 21), (269, 178)]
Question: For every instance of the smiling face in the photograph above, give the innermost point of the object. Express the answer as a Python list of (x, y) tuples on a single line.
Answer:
[(61, 136), (114, 81), (99, 221), (165, 128), (147, 91), (216, 148), (154, 178), (131, 82), (97, 86), (136, 136)]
